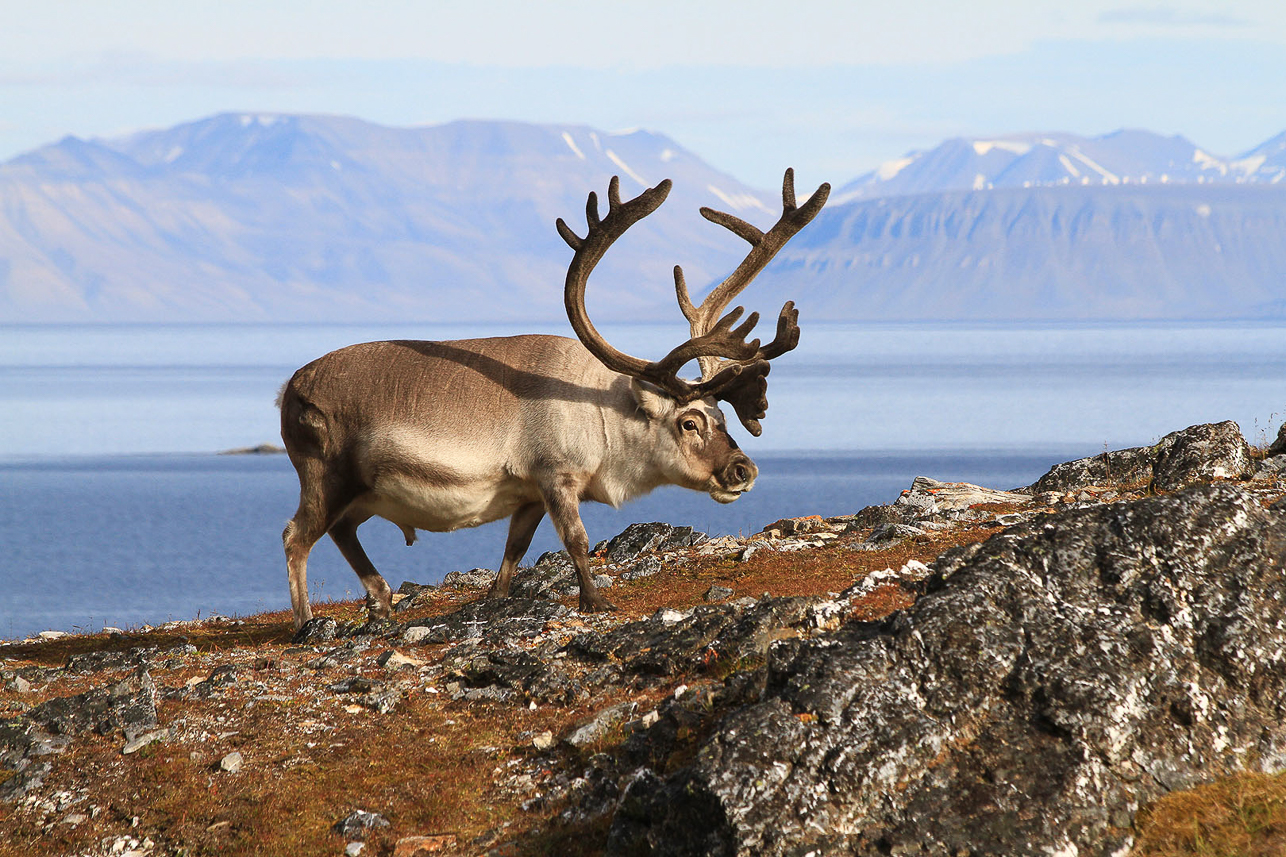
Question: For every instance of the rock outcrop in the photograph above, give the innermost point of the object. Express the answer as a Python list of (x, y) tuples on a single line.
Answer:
[(1192, 456), (1047, 684)]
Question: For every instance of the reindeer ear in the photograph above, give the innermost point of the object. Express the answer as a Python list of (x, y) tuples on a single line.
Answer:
[(650, 399), (748, 396)]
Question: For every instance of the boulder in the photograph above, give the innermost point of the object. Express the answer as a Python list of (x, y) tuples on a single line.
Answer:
[(494, 619), (644, 538), (1278, 446), (1191, 456), (929, 495), (359, 823), (1048, 684), (1201, 454)]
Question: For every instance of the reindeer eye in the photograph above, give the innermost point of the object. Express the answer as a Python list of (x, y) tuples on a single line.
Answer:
[(689, 425)]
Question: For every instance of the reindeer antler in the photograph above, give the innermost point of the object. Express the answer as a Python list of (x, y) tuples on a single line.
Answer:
[(747, 391), (732, 368)]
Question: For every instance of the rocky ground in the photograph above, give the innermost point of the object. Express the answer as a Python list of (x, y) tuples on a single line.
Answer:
[(962, 671)]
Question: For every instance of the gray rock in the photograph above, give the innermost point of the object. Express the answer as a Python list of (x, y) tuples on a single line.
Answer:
[(1048, 684), (380, 701), (319, 629), (358, 823), (717, 592), (476, 578), (232, 762), (873, 516), (1126, 467), (127, 659), (128, 706), (643, 538), (1194, 455), (1278, 446), (929, 495), (886, 533), (643, 567), (144, 740), (551, 578), (1271, 468), (1201, 454), (597, 727), (489, 618)]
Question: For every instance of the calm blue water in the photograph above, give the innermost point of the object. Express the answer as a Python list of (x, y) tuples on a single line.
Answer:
[(113, 509)]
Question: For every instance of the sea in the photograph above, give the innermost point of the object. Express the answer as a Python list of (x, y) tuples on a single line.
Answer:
[(117, 508)]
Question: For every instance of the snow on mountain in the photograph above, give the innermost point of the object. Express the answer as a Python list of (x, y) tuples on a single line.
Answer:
[(1045, 160), (1264, 163)]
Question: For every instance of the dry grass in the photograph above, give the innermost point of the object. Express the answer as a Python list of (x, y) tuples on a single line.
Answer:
[(1242, 816)]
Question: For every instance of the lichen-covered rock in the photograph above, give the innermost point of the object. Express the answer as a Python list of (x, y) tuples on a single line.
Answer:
[(493, 619), (1200, 454), (27, 741), (643, 538), (1130, 467), (1278, 446), (128, 658), (929, 495), (1194, 455), (1049, 683), (319, 629)]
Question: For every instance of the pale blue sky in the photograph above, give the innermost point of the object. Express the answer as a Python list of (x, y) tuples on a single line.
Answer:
[(833, 88)]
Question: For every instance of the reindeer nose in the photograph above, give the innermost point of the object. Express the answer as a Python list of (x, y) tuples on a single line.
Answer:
[(740, 472)]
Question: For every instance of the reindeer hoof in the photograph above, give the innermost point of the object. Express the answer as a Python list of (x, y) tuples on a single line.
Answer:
[(378, 608), (596, 604)]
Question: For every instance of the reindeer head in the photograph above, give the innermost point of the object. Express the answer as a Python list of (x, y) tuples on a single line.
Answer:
[(732, 369)]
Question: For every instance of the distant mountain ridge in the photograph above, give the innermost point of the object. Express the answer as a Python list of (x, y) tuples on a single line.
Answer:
[(1045, 160), (249, 216), (314, 218)]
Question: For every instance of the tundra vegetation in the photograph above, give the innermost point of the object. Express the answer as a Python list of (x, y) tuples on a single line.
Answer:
[(467, 725)]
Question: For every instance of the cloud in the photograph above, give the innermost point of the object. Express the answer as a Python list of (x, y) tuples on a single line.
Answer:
[(1170, 16)]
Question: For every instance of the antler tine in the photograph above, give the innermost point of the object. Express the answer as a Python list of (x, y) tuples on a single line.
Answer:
[(764, 245), (787, 333), (681, 292), (572, 239)]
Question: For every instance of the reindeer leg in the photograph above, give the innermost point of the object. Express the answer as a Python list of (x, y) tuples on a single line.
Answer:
[(562, 501), (379, 598), (522, 526), (320, 502)]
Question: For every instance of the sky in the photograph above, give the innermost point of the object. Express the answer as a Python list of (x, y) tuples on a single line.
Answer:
[(832, 88)]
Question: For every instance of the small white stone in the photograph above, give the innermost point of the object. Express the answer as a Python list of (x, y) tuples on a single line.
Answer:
[(232, 762), (144, 740), (415, 634), (354, 848), (543, 741)]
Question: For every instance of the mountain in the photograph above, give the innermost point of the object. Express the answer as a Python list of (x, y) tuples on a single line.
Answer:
[(245, 217), (279, 217), (1045, 160), (1195, 251)]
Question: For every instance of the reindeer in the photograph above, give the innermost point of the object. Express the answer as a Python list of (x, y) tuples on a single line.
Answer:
[(442, 435)]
